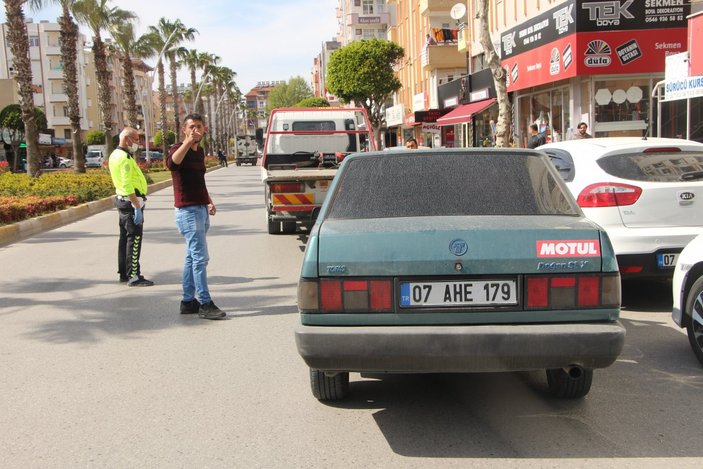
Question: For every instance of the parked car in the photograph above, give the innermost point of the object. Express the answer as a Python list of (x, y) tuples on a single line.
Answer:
[(155, 155), (687, 287), (94, 158), (453, 261), (65, 162), (646, 193)]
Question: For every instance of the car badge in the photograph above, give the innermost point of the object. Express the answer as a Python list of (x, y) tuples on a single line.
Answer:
[(686, 197), (458, 247)]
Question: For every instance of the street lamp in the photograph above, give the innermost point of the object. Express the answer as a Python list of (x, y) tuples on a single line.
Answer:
[(195, 101)]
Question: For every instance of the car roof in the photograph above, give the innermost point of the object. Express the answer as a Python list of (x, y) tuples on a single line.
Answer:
[(598, 146)]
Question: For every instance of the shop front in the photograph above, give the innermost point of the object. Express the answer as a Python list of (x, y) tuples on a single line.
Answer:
[(422, 126), (579, 62)]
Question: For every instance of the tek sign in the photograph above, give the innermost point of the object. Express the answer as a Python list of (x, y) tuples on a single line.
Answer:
[(683, 88)]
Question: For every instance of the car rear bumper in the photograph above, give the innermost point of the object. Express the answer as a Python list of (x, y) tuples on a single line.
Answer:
[(459, 349)]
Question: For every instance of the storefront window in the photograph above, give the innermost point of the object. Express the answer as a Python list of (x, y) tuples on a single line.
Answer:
[(621, 107), (549, 110), (485, 127)]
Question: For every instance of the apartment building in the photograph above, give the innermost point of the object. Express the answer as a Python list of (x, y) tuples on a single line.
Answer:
[(361, 19), (47, 72), (257, 99), (319, 72)]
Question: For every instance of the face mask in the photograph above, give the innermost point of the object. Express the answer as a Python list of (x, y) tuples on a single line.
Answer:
[(134, 147)]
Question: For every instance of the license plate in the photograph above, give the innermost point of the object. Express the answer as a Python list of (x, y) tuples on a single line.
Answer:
[(458, 293), (667, 261)]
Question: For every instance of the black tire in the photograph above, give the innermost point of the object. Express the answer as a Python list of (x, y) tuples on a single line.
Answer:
[(288, 227), (694, 312), (329, 388), (571, 384), (274, 227)]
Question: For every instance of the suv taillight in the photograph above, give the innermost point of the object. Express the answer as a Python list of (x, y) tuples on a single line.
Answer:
[(608, 194), (561, 291), (346, 295)]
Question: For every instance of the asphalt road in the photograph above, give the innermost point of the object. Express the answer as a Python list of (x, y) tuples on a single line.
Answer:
[(96, 374)]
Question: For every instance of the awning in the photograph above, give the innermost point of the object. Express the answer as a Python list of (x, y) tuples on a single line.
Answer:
[(464, 112)]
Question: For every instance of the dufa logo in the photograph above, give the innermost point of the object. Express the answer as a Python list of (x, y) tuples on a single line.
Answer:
[(597, 54), (608, 13), (554, 62)]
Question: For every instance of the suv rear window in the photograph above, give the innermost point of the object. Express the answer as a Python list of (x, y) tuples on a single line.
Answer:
[(654, 167), (451, 184)]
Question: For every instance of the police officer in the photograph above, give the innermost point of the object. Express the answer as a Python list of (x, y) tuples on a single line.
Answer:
[(130, 187)]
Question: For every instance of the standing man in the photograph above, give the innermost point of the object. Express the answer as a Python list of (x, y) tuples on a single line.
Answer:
[(130, 187), (582, 128), (536, 139), (194, 207)]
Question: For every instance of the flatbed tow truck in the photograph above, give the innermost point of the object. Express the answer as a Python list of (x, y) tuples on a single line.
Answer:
[(303, 150)]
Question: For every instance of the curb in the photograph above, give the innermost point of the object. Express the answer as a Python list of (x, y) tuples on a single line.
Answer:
[(27, 228)]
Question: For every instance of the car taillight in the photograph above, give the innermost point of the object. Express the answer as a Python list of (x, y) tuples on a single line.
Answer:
[(608, 194), (572, 291), (288, 187), (346, 295)]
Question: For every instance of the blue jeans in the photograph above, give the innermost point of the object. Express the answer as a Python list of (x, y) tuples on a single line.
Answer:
[(193, 223)]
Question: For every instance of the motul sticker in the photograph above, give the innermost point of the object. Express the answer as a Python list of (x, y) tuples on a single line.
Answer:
[(569, 248)]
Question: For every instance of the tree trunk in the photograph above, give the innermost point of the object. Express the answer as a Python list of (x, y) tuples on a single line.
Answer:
[(174, 93), (130, 90), (194, 90), (104, 92), (19, 46), (505, 111), (162, 99), (69, 44)]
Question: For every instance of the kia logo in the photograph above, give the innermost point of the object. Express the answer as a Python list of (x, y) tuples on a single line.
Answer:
[(686, 195)]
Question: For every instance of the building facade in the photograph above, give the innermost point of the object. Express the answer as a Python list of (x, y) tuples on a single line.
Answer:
[(47, 75)]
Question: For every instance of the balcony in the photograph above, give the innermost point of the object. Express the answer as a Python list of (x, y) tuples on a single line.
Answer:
[(442, 56), (428, 6)]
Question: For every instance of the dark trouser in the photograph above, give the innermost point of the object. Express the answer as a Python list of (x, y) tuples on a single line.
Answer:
[(129, 246)]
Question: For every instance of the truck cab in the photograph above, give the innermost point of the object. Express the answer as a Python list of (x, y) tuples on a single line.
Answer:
[(302, 152)]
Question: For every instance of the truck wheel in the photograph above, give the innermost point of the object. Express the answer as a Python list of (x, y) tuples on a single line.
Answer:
[(288, 227), (329, 388), (572, 383), (274, 227)]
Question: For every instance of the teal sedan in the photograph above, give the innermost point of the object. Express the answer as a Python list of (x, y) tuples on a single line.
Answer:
[(456, 261)]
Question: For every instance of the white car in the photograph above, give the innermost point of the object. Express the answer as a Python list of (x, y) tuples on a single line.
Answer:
[(687, 287), (646, 193), (94, 159)]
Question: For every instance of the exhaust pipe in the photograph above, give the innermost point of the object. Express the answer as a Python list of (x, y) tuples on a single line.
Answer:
[(574, 371)]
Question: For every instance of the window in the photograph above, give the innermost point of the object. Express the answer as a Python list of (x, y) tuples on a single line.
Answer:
[(357, 3), (33, 41), (367, 7), (67, 134), (66, 111), (358, 31)]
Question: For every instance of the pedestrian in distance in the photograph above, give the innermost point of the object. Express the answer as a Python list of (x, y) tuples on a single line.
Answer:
[(411, 144), (194, 207), (222, 157), (582, 132), (536, 139), (130, 197)]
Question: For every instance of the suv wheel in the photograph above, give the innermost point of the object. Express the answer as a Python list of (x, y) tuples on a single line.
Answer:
[(694, 311), (573, 382), (331, 387)]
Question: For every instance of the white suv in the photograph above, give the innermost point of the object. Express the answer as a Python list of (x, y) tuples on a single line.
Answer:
[(94, 159), (646, 193)]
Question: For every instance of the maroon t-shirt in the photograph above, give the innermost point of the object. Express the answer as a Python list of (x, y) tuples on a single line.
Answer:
[(188, 178)]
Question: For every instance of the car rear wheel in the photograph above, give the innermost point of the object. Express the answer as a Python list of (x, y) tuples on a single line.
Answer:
[(572, 382), (694, 310), (329, 387)]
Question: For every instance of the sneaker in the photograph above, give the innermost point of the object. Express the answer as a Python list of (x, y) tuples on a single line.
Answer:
[(190, 307), (139, 282), (210, 311)]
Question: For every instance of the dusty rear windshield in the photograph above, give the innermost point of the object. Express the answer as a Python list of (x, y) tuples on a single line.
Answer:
[(655, 167), (449, 184)]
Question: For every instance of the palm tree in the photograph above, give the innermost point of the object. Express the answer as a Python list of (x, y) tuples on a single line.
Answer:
[(69, 58), (174, 51), (19, 46), (130, 48), (192, 59), (98, 16), (209, 61)]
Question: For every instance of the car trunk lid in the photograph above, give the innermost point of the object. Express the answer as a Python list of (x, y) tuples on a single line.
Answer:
[(478, 245)]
